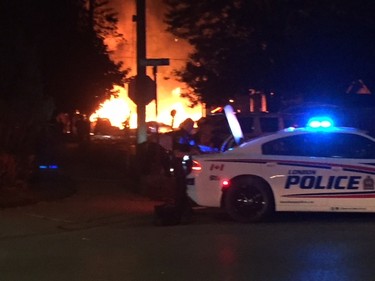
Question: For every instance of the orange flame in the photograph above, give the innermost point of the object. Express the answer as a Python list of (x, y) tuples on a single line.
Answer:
[(160, 45), (121, 108)]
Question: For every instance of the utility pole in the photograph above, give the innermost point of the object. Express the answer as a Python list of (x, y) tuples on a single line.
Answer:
[(141, 69), (142, 90)]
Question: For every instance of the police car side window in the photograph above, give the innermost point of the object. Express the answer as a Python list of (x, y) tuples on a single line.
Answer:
[(322, 145), (291, 146), (340, 145), (354, 146), (328, 145)]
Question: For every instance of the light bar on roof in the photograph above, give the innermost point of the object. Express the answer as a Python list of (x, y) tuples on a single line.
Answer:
[(320, 122)]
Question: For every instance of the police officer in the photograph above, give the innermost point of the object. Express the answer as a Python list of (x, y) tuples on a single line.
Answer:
[(183, 144), (180, 143)]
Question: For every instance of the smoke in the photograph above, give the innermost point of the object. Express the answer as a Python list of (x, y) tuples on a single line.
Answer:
[(159, 43)]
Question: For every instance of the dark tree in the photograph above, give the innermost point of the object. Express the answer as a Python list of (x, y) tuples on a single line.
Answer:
[(51, 59), (328, 44), (228, 51), (313, 48), (80, 73)]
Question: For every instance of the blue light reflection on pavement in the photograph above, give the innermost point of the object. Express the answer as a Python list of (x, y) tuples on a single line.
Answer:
[(268, 260), (326, 261)]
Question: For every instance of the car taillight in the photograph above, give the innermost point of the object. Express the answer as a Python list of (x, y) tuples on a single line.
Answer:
[(225, 183), (196, 166)]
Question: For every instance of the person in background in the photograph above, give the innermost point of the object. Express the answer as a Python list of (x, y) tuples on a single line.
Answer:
[(83, 129)]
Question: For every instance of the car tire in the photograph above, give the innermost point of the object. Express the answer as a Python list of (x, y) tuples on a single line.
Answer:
[(249, 199)]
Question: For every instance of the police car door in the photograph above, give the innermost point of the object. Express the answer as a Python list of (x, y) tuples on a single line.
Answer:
[(297, 173), (350, 187)]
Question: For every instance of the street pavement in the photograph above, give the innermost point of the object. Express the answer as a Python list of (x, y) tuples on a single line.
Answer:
[(94, 204), (103, 193), (105, 232)]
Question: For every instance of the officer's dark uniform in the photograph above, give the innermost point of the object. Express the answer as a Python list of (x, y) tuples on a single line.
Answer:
[(182, 144)]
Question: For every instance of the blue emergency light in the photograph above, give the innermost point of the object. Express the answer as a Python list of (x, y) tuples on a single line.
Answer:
[(320, 123), (48, 167)]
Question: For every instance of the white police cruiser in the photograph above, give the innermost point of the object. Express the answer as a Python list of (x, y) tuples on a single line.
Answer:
[(317, 168)]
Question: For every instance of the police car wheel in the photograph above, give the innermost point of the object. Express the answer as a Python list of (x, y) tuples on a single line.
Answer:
[(249, 200)]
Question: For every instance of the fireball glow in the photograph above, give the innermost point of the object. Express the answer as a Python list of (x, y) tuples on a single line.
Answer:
[(160, 44), (116, 109), (121, 108)]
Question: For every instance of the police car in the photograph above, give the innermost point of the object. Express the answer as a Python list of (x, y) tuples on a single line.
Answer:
[(318, 168)]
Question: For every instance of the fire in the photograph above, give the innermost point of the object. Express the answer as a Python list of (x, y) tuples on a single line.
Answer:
[(160, 45), (116, 109), (121, 108)]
